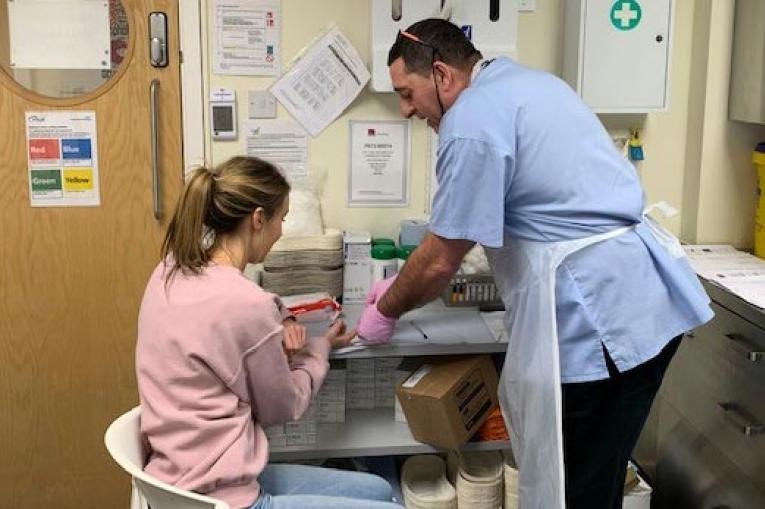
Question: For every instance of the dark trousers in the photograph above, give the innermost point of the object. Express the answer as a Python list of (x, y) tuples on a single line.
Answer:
[(602, 421)]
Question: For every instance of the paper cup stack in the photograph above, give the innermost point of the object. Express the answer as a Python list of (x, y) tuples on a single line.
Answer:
[(479, 480), (424, 484), (511, 481)]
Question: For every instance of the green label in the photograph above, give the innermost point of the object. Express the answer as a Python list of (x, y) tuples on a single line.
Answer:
[(46, 180), (626, 14)]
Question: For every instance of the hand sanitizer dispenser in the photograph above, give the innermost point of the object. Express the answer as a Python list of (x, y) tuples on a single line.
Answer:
[(492, 25)]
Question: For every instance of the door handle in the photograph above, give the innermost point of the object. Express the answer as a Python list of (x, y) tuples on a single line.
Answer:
[(155, 184), (158, 39), (744, 347), (741, 419)]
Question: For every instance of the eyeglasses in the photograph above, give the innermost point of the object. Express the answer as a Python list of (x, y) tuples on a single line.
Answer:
[(410, 36)]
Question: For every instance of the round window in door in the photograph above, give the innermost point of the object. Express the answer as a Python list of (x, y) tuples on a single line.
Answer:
[(63, 49)]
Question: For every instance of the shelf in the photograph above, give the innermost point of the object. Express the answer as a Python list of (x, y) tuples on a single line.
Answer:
[(422, 349), (368, 433)]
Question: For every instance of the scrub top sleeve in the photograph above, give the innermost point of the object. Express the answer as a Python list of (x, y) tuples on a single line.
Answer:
[(473, 178)]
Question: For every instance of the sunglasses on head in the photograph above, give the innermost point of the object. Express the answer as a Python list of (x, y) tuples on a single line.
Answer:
[(403, 34)]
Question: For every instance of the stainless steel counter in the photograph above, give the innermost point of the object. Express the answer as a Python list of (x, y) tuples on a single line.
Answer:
[(704, 443)]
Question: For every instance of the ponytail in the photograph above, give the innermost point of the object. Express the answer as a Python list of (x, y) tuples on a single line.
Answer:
[(185, 235)]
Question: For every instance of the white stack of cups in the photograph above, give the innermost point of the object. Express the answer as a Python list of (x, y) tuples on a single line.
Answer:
[(479, 480), (511, 481), (424, 484)]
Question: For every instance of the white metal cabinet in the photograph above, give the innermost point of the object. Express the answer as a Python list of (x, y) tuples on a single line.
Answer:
[(617, 53)]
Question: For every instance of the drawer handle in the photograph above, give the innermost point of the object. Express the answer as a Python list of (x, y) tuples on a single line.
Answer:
[(741, 419), (745, 348)]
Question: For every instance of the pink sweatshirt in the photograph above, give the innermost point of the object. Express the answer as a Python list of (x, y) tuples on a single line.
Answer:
[(211, 373)]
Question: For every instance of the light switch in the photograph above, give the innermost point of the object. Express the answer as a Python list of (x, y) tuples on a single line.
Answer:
[(262, 104), (527, 5)]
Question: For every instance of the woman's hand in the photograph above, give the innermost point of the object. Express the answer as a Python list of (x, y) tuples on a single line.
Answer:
[(337, 336), (294, 336)]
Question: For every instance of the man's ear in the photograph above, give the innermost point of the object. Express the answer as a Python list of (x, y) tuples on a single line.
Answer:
[(444, 75)]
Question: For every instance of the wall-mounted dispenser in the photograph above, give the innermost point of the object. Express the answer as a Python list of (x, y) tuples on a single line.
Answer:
[(492, 25)]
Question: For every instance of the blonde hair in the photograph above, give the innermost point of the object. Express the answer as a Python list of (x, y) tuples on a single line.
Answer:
[(214, 202)]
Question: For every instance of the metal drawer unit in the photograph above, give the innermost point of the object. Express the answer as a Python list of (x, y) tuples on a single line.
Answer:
[(704, 442)]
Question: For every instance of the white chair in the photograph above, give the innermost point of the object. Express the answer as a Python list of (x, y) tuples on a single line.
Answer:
[(124, 443)]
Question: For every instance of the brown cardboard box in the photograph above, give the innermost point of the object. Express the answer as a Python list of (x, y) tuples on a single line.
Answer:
[(445, 402)]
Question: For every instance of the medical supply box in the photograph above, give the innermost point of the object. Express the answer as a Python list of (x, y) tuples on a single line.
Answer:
[(357, 266), (445, 402)]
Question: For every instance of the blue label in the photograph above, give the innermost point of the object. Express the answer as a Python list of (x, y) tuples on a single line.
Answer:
[(75, 149), (468, 31)]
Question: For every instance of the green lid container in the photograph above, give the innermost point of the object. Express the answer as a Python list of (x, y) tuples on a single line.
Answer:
[(382, 241), (403, 252), (383, 252)]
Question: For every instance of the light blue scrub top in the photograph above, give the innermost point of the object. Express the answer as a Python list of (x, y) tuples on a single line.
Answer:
[(521, 141)]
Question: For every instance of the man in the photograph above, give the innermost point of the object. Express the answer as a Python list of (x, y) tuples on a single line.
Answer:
[(527, 170)]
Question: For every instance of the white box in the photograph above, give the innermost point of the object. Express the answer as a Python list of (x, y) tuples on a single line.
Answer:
[(357, 266), (278, 441), (386, 380), (638, 497)]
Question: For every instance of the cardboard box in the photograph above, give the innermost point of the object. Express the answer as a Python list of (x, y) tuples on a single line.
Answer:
[(445, 402)]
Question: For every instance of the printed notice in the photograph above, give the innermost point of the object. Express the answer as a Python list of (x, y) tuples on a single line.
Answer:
[(247, 37), (62, 157), (379, 163), (322, 82), (281, 142)]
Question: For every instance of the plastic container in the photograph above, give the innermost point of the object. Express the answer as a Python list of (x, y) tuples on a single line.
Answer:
[(382, 241), (384, 262), (466, 290), (758, 157), (402, 254)]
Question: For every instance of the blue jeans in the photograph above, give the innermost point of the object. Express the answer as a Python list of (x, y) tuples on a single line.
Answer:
[(306, 487)]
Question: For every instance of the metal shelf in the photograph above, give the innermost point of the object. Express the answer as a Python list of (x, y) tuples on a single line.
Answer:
[(368, 433)]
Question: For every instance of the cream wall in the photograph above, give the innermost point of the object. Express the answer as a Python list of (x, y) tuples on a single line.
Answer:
[(720, 179), (675, 154)]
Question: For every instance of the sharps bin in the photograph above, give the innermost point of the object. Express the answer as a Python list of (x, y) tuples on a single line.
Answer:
[(758, 157)]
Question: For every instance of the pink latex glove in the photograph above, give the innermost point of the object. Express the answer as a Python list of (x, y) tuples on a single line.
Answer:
[(374, 327)]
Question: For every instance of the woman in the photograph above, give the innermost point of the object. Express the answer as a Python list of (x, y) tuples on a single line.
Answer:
[(212, 355)]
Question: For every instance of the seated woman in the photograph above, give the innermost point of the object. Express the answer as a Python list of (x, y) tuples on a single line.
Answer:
[(218, 358)]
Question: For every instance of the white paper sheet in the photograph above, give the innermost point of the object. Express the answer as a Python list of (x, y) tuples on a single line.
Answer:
[(282, 142), (433, 323), (62, 155), (322, 82), (47, 34), (379, 163), (247, 40), (740, 273)]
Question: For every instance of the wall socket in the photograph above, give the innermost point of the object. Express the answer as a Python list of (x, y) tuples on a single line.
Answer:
[(527, 5)]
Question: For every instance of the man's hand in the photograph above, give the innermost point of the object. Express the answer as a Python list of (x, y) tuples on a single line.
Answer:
[(294, 336), (373, 326)]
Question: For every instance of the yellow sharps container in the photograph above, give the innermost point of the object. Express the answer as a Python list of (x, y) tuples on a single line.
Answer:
[(758, 157)]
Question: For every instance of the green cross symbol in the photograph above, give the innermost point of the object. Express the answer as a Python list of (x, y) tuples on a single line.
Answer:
[(626, 14)]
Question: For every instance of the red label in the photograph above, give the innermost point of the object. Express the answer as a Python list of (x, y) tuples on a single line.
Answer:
[(44, 149)]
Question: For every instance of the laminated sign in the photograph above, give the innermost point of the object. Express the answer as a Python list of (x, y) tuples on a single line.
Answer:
[(62, 158)]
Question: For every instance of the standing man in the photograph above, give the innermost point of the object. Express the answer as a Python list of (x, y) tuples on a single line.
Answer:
[(598, 295)]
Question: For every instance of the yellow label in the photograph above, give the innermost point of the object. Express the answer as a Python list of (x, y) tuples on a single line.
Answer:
[(78, 179)]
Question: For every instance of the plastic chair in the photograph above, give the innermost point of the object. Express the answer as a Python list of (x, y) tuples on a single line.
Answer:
[(124, 443)]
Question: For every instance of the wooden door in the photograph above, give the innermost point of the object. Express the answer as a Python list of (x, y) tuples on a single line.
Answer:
[(71, 281)]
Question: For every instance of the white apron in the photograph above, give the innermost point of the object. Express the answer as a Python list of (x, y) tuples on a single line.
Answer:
[(530, 387)]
